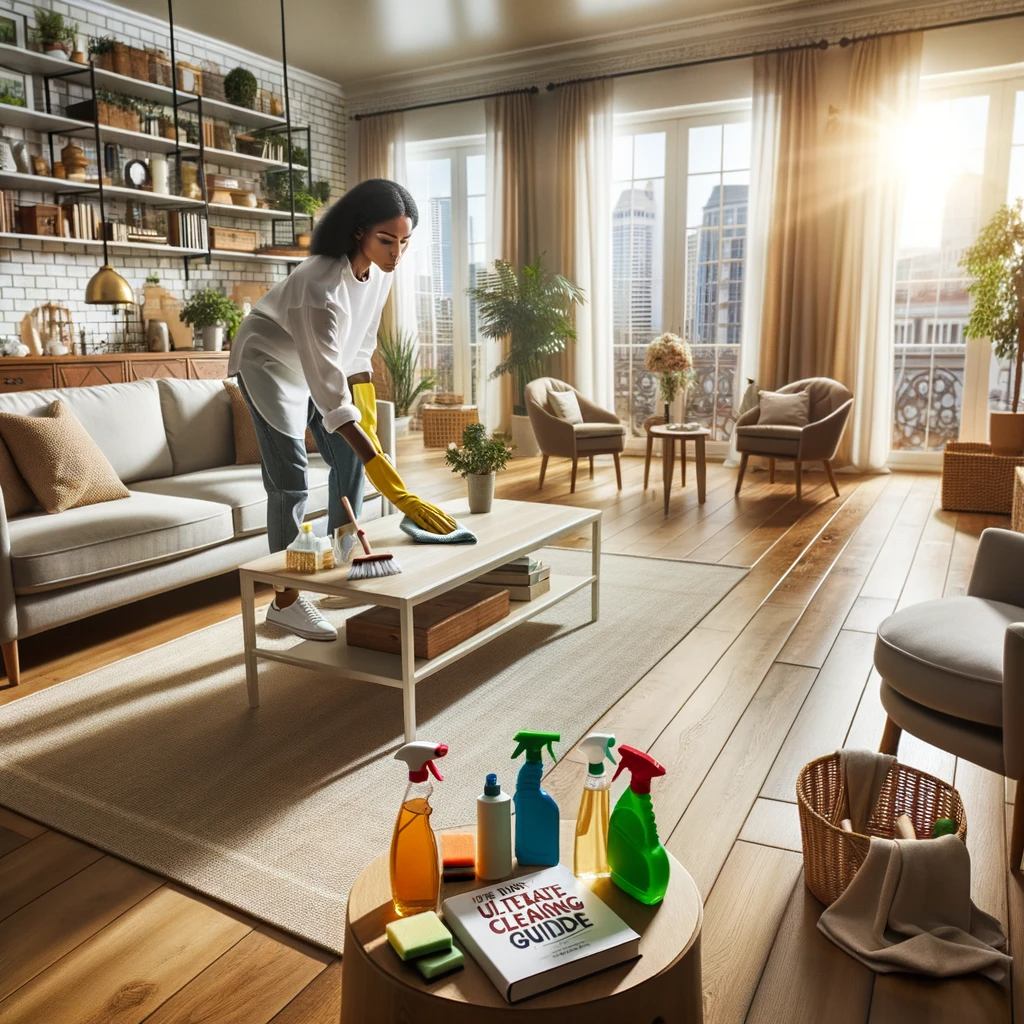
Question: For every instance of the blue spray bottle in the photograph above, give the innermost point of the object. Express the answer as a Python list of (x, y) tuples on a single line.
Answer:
[(536, 811)]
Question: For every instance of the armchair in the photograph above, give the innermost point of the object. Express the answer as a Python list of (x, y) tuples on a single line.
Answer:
[(600, 433), (818, 441), (953, 670)]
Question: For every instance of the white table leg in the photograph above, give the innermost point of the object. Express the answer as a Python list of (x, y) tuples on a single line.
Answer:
[(408, 668), (252, 679), (595, 569)]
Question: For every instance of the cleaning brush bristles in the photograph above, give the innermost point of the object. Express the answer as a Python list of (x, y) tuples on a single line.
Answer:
[(369, 566)]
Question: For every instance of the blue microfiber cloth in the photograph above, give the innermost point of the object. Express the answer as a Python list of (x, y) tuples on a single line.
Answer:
[(460, 535)]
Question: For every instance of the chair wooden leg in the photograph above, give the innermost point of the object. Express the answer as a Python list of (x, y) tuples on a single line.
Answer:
[(618, 470), (11, 662), (543, 470), (771, 471), (831, 476), (647, 460), (798, 471), (572, 484), (1017, 832), (890, 738), (591, 467), (743, 468)]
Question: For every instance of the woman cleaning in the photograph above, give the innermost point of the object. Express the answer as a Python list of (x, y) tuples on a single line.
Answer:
[(302, 358)]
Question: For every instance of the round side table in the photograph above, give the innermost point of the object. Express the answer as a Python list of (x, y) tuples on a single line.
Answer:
[(663, 986), (668, 451)]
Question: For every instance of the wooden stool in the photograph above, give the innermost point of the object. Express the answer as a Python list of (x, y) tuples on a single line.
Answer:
[(443, 424), (663, 986)]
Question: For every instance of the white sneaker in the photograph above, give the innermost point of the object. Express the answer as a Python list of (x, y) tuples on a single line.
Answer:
[(302, 619)]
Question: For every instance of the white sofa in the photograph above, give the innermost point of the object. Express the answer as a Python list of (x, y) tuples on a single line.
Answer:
[(192, 512)]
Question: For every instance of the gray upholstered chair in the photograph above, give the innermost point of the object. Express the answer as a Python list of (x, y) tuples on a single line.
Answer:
[(953, 670), (818, 441), (600, 433)]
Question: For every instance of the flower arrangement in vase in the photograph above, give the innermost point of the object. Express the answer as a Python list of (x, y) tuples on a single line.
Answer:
[(671, 358), (479, 458)]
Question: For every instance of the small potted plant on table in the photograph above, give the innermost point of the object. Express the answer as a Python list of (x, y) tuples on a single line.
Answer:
[(401, 360), (212, 312), (479, 458)]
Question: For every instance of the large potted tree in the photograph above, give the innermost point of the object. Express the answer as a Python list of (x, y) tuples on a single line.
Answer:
[(996, 265), (534, 311)]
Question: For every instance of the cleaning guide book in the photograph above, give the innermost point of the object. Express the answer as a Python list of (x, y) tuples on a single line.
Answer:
[(539, 931)]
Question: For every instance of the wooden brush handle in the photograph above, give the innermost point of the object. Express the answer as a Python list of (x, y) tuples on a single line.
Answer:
[(355, 523)]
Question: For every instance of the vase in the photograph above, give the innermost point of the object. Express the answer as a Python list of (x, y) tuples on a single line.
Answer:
[(213, 337), (668, 412), (481, 492)]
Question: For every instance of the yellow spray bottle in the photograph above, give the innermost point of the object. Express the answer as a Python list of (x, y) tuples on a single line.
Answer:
[(591, 854)]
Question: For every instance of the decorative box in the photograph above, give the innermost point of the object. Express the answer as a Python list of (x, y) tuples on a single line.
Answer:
[(234, 239)]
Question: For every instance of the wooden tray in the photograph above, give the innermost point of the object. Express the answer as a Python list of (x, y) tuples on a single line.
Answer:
[(438, 625), (235, 239)]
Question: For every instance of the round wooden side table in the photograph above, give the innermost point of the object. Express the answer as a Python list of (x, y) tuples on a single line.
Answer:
[(668, 450), (663, 986)]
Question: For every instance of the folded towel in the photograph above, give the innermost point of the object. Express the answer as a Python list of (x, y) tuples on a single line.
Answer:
[(460, 535), (909, 908), (865, 772)]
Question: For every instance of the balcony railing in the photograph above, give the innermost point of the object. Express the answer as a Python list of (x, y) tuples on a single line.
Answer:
[(928, 387)]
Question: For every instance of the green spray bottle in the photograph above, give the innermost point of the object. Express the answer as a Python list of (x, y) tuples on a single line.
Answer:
[(638, 862), (536, 811)]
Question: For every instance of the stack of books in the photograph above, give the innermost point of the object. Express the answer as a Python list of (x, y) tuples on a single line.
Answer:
[(8, 214), (525, 578)]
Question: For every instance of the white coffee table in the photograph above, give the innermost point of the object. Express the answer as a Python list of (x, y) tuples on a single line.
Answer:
[(510, 529)]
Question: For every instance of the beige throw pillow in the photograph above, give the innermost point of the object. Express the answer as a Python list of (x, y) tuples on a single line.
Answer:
[(566, 406), (18, 496), (59, 460), (247, 447), (778, 410)]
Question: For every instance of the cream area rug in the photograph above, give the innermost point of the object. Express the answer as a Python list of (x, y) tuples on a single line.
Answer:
[(159, 759)]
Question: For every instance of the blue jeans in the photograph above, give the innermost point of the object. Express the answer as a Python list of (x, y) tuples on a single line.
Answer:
[(284, 463)]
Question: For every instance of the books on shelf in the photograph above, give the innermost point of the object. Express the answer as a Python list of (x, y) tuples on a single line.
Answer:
[(8, 212), (528, 593), (81, 220), (539, 931), (187, 229), (525, 578), (516, 579)]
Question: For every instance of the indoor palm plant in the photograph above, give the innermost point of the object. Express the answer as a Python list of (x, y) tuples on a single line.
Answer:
[(996, 265), (672, 360), (399, 353), (211, 312), (534, 311), (477, 460)]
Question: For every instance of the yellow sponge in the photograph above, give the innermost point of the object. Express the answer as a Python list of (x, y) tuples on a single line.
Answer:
[(419, 935)]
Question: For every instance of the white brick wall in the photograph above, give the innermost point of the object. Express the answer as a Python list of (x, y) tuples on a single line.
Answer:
[(33, 272)]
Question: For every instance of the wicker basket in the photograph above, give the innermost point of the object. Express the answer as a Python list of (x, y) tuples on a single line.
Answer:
[(1017, 520), (975, 480), (160, 68), (139, 63), (121, 62), (443, 425), (831, 856)]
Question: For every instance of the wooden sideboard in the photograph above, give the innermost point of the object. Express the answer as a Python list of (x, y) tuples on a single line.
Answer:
[(33, 373)]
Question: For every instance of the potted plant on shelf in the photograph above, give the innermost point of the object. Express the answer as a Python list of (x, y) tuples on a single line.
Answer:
[(398, 351), (55, 36), (479, 458), (211, 312), (672, 360), (996, 265), (534, 311), (240, 87)]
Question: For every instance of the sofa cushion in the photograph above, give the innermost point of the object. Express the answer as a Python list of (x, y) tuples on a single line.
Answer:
[(565, 405), (197, 420), (18, 496), (102, 540), (778, 410), (947, 655), (241, 488), (247, 446), (123, 419)]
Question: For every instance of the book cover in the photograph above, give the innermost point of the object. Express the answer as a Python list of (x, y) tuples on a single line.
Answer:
[(516, 579), (539, 931), (524, 563)]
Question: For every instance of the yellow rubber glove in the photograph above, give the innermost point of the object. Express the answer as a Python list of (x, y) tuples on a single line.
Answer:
[(386, 480), (364, 398)]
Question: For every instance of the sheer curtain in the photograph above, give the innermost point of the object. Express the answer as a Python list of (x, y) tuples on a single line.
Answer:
[(882, 102), (511, 222), (585, 138), (381, 154)]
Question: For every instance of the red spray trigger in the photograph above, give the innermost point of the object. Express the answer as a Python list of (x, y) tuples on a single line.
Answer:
[(642, 768), (418, 756), (439, 751)]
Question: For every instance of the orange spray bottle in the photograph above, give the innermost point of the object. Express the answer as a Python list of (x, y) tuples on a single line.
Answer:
[(415, 864)]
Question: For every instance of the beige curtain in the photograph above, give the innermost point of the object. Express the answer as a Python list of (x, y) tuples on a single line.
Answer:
[(511, 223), (584, 139), (381, 154), (883, 98)]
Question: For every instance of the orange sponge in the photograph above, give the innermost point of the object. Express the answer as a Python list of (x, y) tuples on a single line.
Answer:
[(458, 855)]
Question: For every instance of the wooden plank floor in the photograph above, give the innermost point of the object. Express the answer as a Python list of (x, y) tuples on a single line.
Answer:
[(778, 673)]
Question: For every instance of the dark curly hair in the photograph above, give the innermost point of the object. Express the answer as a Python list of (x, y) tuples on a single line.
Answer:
[(368, 203)]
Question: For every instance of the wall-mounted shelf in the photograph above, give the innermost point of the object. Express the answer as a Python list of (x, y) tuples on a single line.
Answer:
[(15, 182), (89, 243), (253, 211), (37, 120), (259, 257)]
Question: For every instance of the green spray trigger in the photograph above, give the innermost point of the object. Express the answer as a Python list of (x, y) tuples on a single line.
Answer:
[(534, 742)]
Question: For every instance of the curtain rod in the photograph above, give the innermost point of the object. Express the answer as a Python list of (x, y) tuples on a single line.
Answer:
[(821, 44), (529, 90)]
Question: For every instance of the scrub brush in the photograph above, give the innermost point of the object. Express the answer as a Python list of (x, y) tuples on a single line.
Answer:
[(369, 566)]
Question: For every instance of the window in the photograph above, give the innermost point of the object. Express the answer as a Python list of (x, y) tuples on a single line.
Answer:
[(1016, 189), (679, 215), (448, 254)]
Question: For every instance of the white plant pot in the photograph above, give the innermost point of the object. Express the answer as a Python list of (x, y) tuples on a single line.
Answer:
[(402, 425), (59, 53), (523, 438), (213, 338), (481, 492)]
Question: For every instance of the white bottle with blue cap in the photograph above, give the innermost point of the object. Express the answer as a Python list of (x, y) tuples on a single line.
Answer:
[(493, 832)]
